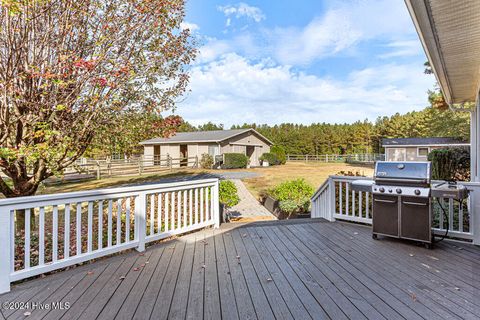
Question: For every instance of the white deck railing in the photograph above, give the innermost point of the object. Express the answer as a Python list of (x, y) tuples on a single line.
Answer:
[(70, 228), (336, 200)]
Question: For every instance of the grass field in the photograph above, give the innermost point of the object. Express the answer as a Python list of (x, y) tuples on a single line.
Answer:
[(314, 173)]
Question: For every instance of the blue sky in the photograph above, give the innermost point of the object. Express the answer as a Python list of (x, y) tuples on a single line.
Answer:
[(303, 61)]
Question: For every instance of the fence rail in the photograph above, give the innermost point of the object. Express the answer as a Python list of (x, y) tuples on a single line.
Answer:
[(336, 200), (43, 233), (350, 158), (133, 166)]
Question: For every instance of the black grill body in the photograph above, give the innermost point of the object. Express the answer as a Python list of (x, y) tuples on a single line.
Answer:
[(401, 201)]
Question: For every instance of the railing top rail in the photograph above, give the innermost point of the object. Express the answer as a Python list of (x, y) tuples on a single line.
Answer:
[(71, 196), (335, 177), (320, 189)]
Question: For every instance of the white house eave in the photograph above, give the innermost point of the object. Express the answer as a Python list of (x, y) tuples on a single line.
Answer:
[(450, 35), (423, 24)]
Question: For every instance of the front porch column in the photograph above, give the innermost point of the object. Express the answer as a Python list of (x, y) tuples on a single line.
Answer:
[(475, 169)]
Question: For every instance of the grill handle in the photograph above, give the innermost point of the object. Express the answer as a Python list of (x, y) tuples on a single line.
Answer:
[(415, 203), (385, 201)]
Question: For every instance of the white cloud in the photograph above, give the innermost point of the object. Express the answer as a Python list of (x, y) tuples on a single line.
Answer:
[(241, 10), (322, 37), (234, 90), (404, 48), (188, 25), (338, 30)]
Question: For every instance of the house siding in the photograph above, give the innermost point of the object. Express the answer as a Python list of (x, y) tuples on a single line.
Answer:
[(237, 144), (399, 153)]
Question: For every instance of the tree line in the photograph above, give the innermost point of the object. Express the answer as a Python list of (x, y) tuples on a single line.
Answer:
[(316, 138)]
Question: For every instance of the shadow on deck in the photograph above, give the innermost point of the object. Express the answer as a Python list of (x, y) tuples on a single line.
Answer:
[(297, 269)]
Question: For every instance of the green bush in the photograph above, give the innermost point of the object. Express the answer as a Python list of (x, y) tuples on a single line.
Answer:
[(228, 193), (293, 196), (270, 158), (206, 162), (279, 151), (235, 160), (451, 164)]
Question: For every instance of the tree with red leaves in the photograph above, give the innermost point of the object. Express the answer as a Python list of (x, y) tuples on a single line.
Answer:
[(69, 67)]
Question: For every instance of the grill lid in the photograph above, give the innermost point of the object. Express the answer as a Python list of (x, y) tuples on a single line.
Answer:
[(417, 172)]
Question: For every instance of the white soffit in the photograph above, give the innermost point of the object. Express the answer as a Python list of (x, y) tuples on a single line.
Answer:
[(450, 34)]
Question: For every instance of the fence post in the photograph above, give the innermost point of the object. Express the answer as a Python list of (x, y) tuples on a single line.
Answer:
[(140, 166), (332, 201), (169, 161), (216, 205), (140, 220), (5, 249), (98, 170)]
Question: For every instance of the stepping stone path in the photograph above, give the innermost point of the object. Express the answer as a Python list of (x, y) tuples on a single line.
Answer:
[(248, 208)]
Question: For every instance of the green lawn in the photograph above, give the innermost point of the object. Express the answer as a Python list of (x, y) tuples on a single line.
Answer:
[(314, 173)]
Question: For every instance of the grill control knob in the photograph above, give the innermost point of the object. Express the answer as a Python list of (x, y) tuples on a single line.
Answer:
[(417, 192), (390, 190), (398, 190), (382, 189)]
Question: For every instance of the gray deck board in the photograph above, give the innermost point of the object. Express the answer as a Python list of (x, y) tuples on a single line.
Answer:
[(211, 308), (291, 298), (392, 283), (450, 290), (283, 270), (228, 304), (197, 280), (242, 295), (260, 301)]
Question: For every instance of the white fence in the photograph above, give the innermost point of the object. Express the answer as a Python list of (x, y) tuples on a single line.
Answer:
[(351, 158), (65, 229), (133, 166), (336, 200)]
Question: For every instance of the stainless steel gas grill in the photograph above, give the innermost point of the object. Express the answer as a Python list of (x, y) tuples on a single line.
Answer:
[(402, 199)]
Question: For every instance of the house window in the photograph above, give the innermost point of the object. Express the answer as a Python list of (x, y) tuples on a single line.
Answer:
[(423, 152)]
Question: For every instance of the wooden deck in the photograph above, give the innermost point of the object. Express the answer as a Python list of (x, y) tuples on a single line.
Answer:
[(284, 270)]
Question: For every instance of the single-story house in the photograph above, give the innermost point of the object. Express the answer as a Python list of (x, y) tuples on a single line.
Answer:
[(416, 149), (193, 144)]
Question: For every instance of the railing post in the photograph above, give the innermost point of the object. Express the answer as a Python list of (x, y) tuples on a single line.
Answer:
[(216, 205), (5, 249), (475, 207), (140, 220), (332, 201)]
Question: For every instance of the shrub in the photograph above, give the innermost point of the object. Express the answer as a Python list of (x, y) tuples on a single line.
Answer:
[(235, 160), (279, 151), (270, 158), (293, 195), (228, 193), (206, 162), (451, 164)]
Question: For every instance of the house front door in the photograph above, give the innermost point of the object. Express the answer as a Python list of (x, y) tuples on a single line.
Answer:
[(250, 153), (184, 155)]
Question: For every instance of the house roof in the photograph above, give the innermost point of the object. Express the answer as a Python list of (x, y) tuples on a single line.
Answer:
[(433, 141), (203, 136), (450, 35)]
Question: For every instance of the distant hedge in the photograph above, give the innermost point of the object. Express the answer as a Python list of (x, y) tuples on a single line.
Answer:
[(279, 151), (235, 160), (451, 164), (269, 157)]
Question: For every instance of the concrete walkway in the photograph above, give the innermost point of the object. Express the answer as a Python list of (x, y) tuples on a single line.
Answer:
[(248, 208)]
